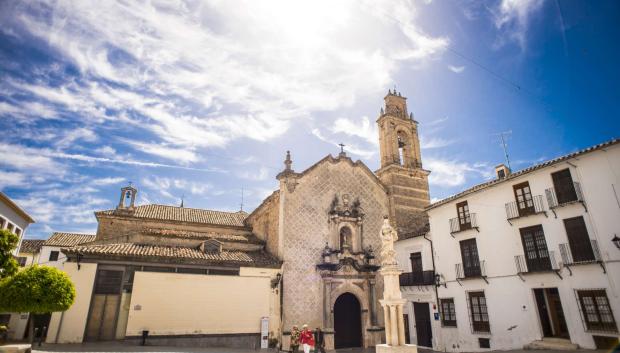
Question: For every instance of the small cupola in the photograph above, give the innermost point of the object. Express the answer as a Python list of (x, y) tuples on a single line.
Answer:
[(501, 171)]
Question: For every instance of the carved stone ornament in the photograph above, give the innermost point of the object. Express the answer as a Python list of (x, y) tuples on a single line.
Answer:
[(291, 183)]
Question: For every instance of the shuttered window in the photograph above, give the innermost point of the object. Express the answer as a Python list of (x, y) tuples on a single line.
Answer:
[(596, 311), (448, 312)]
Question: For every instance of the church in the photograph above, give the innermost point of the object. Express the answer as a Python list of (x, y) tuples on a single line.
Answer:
[(305, 255)]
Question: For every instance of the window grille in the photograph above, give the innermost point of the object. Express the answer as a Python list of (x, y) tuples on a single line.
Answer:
[(448, 312), (596, 313)]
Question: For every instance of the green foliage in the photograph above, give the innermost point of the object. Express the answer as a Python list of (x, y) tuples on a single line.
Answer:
[(37, 289), (8, 242)]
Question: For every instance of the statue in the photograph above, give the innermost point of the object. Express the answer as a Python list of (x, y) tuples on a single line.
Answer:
[(393, 303), (388, 237)]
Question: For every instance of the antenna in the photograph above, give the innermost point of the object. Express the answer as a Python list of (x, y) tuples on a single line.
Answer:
[(503, 140), (242, 198)]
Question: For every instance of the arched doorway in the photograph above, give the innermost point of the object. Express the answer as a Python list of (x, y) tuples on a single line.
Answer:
[(347, 322)]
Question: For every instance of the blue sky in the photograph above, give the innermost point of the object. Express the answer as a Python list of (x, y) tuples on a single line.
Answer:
[(202, 99)]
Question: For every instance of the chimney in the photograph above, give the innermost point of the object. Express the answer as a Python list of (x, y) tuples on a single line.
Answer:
[(501, 171)]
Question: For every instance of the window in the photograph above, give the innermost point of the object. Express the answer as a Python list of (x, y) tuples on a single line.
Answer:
[(462, 210), (2, 222), (10, 227), (448, 312), (416, 262), (53, 256), (479, 313), (523, 196), (564, 186), (484, 342), (578, 239), (18, 231), (596, 311), (469, 254), (108, 282), (535, 249), (21, 260)]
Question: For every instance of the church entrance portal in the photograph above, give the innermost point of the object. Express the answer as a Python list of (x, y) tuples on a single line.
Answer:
[(347, 322)]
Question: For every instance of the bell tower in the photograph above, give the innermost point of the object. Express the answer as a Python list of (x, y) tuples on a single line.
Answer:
[(401, 165)]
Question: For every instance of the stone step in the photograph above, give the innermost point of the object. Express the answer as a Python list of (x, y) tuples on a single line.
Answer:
[(552, 343)]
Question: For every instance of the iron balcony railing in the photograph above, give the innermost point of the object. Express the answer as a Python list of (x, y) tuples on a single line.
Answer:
[(536, 264), (474, 270), (462, 224), (564, 195), (585, 253), (417, 278), (525, 208)]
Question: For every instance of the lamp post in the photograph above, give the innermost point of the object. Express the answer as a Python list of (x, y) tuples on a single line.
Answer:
[(616, 241)]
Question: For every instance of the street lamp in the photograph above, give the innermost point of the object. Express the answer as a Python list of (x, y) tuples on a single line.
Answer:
[(616, 241)]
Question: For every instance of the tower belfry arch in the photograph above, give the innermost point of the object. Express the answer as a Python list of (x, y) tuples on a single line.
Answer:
[(401, 165)]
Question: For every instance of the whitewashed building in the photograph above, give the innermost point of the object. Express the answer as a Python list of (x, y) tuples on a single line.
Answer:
[(50, 253), (532, 258), (16, 220), (417, 283)]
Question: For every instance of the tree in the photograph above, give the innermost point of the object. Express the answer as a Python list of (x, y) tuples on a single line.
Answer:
[(8, 242), (37, 289)]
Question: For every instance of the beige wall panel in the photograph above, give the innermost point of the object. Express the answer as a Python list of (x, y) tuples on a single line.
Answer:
[(73, 322), (174, 304)]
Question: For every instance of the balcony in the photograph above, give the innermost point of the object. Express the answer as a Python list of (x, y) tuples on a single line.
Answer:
[(537, 265), (581, 255), (473, 271), (565, 195), (463, 224), (531, 207), (417, 278)]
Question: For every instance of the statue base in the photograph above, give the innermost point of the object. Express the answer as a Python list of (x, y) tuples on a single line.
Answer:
[(386, 348)]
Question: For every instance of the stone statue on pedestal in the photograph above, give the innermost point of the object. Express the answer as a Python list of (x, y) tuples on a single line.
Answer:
[(392, 301)]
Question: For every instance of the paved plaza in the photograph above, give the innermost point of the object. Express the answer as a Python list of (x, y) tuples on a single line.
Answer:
[(120, 347)]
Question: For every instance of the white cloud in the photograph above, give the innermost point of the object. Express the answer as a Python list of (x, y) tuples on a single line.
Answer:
[(349, 147), (449, 173), (11, 179), (434, 142), (107, 181), (174, 188), (71, 136), (28, 159), (252, 174), (361, 128), (196, 75), (185, 156), (456, 69), (513, 17)]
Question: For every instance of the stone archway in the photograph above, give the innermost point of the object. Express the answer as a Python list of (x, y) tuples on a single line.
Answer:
[(347, 322)]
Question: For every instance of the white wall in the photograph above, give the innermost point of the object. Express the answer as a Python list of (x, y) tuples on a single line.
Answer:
[(510, 300), (44, 257), (72, 322), (173, 304)]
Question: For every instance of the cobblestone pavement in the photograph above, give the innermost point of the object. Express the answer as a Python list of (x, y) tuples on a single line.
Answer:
[(120, 347)]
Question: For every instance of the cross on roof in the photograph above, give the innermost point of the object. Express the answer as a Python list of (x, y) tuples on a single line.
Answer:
[(341, 147)]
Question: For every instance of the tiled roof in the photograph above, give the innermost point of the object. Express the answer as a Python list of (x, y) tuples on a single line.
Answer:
[(68, 239), (522, 172), (203, 235), (31, 246), (178, 254), (184, 214)]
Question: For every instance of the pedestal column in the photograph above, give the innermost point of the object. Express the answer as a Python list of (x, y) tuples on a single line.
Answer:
[(401, 325)]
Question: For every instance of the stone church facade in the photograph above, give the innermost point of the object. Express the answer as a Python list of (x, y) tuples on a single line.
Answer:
[(306, 255), (324, 224)]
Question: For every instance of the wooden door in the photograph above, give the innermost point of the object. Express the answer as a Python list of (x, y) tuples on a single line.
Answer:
[(564, 187), (101, 324), (578, 239), (462, 210), (535, 249), (416, 262), (423, 324), (469, 254), (523, 196)]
